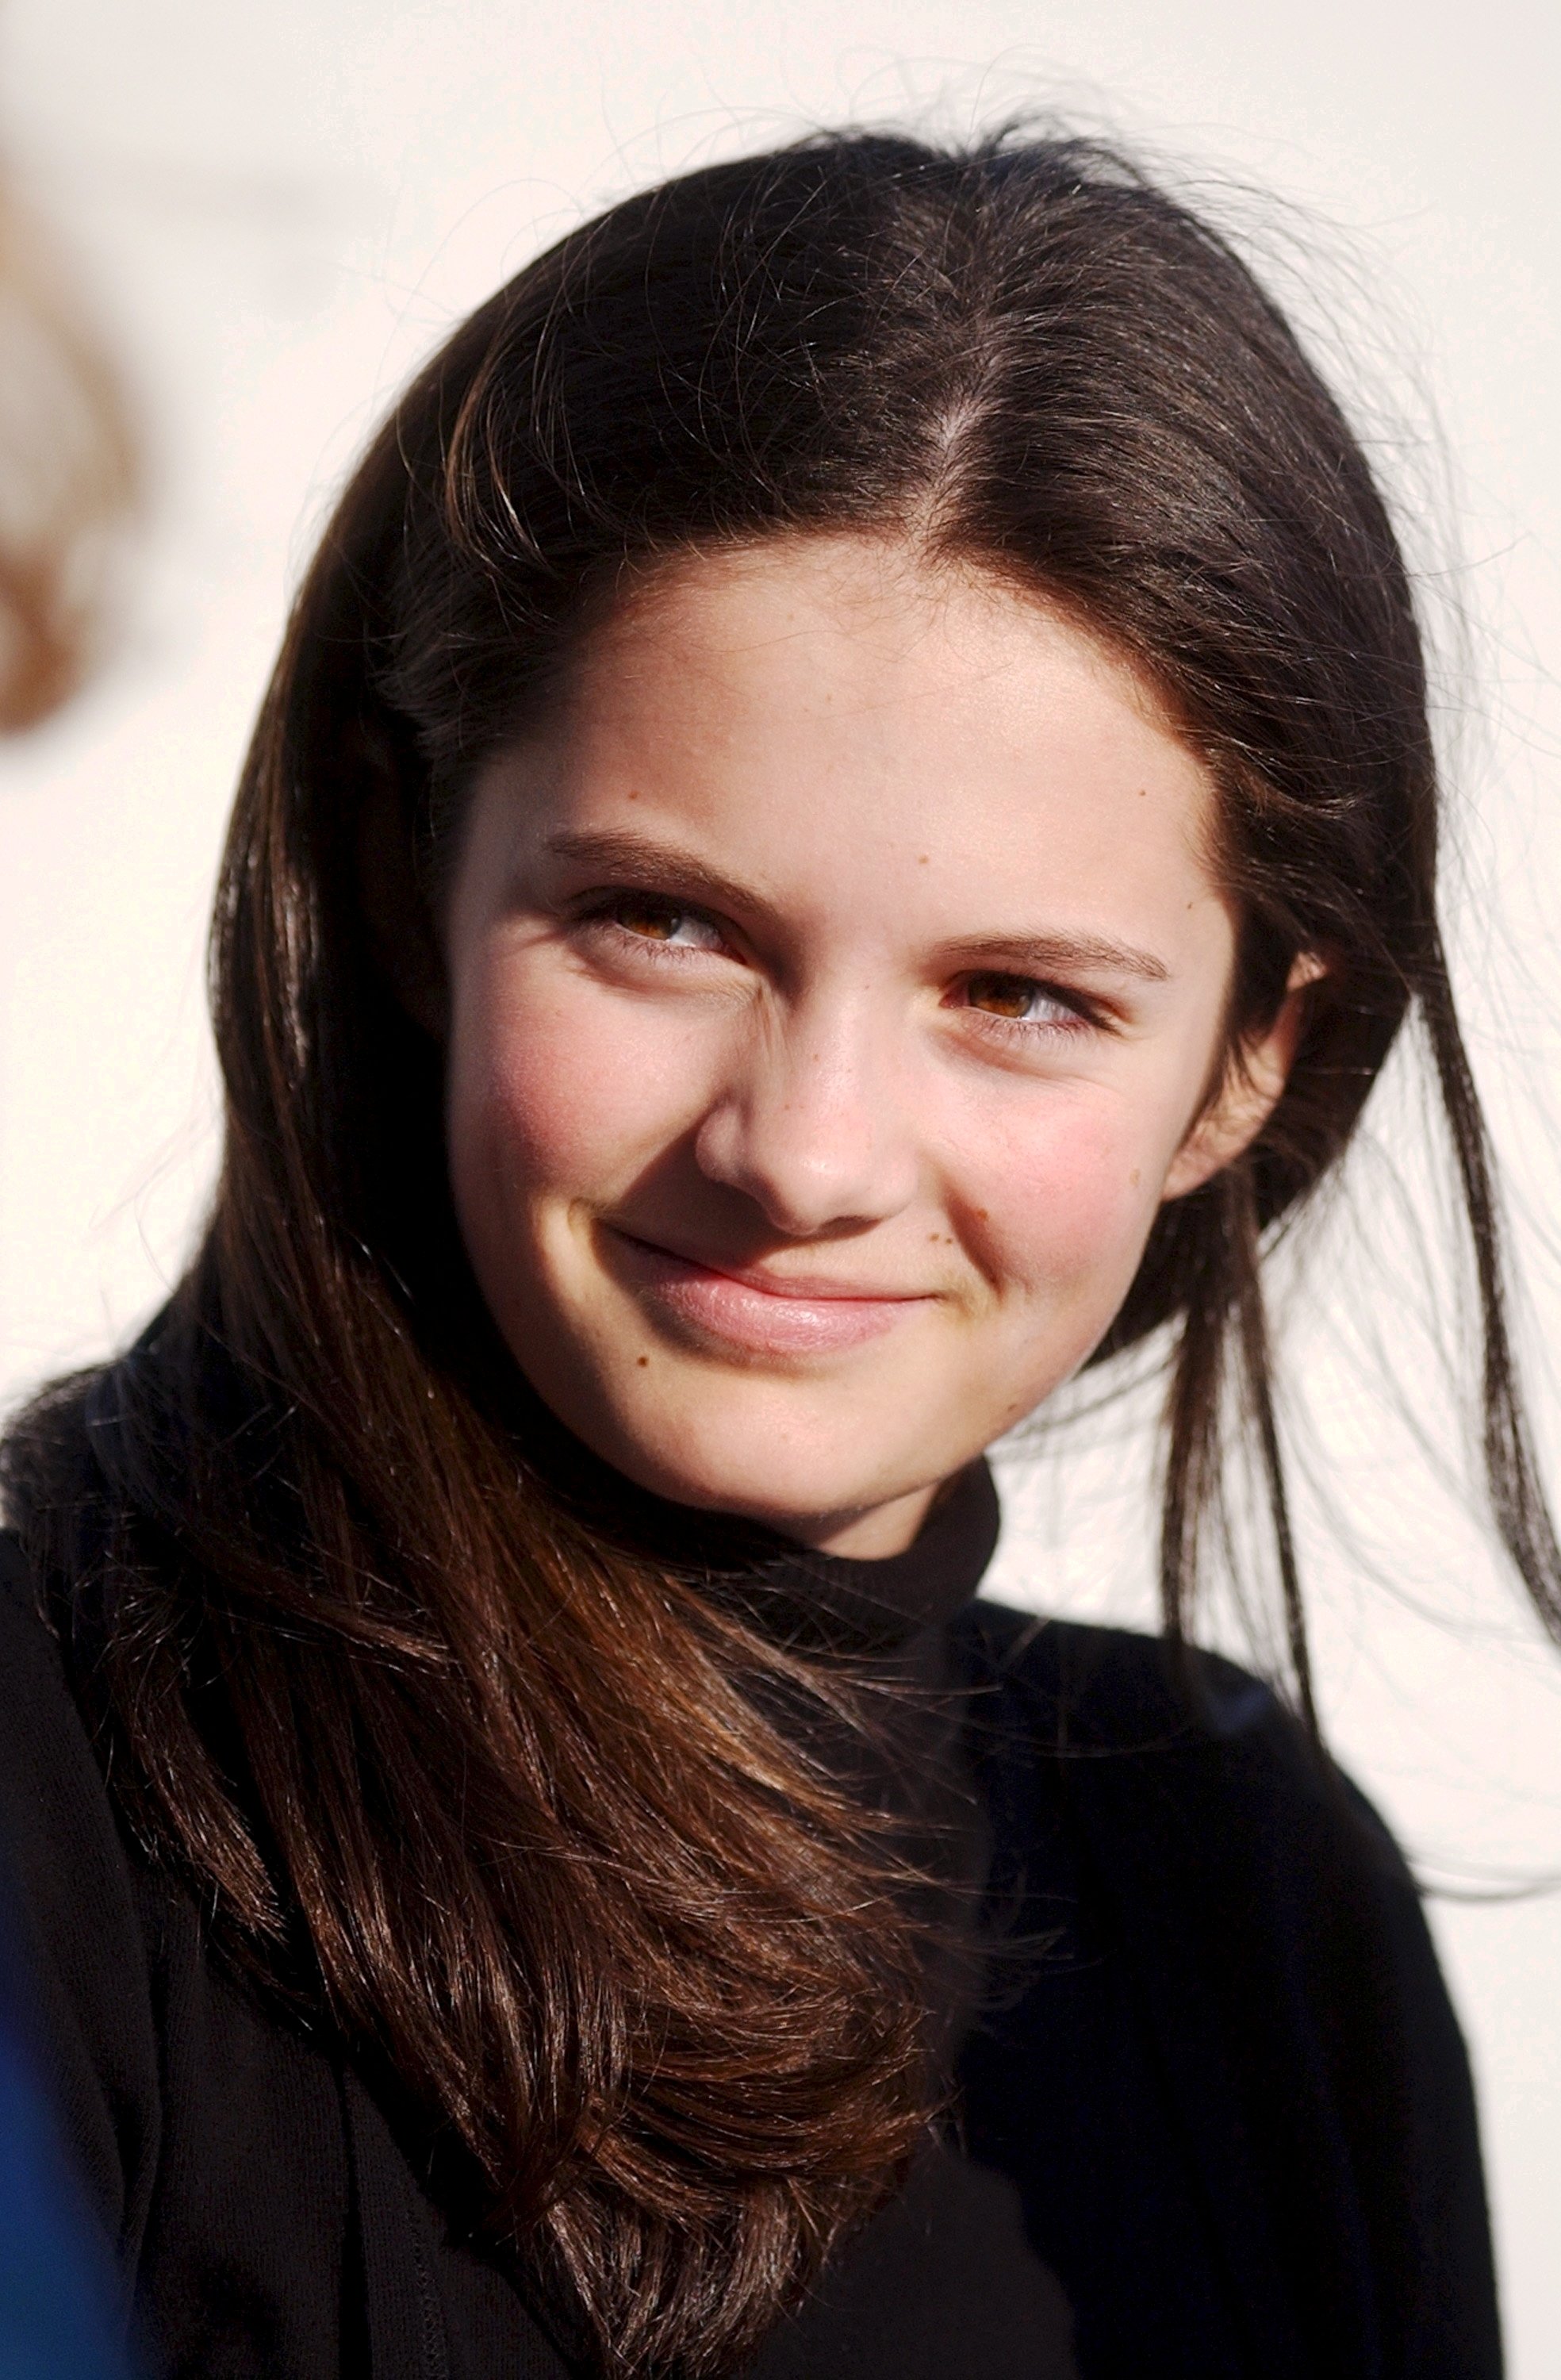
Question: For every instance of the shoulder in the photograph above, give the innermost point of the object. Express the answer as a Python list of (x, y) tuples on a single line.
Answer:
[(49, 1779), (64, 1864), (1197, 1764), (1225, 1840), (1116, 1687), (1281, 1961), (54, 1807), (71, 1914)]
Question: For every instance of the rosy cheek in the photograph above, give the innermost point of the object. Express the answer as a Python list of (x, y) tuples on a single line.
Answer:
[(566, 1091), (1067, 1207)]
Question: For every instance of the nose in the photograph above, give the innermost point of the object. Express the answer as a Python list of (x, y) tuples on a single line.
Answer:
[(814, 1126)]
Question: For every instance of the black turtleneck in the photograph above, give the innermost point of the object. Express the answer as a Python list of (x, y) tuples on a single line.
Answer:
[(1204, 2068), (894, 1610), (887, 1625), (944, 2282)]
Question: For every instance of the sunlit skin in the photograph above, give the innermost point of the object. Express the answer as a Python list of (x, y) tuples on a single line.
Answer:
[(836, 982)]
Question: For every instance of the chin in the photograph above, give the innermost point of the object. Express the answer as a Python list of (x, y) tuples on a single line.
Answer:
[(768, 1471)]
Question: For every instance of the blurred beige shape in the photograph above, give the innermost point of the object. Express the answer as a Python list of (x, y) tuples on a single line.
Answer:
[(68, 476)]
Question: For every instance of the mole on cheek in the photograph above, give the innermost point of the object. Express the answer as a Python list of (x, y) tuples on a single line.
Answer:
[(643, 1360)]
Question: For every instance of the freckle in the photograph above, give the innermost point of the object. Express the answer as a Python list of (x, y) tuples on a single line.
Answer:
[(634, 795), (1133, 1177), (923, 861), (981, 1214), (643, 1361), (1142, 792)]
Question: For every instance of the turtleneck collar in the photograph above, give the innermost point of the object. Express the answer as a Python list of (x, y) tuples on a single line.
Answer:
[(837, 1603), (832, 1603), (888, 1619)]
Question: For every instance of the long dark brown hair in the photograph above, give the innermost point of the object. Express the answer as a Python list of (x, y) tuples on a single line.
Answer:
[(453, 1763)]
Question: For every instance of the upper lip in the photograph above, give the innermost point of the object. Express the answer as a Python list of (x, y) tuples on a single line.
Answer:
[(815, 1286)]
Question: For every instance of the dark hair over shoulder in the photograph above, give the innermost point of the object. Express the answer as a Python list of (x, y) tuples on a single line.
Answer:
[(495, 1790)]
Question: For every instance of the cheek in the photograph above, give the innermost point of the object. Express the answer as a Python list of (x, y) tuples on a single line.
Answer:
[(554, 1088), (1064, 1209)]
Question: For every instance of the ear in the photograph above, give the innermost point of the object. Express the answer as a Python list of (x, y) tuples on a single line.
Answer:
[(396, 911), (1254, 1079)]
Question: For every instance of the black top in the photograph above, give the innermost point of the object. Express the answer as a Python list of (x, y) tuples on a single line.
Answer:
[(1215, 2085)]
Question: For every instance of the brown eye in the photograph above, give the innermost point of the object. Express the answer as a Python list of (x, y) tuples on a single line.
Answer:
[(1015, 996), (657, 921), (1018, 1000), (651, 918)]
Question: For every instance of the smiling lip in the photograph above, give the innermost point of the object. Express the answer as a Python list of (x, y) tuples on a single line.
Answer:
[(753, 1310)]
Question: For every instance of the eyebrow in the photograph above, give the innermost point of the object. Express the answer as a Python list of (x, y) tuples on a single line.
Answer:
[(636, 859), (1043, 955), (658, 866)]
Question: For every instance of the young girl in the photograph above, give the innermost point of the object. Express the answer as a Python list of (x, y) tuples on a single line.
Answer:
[(844, 825)]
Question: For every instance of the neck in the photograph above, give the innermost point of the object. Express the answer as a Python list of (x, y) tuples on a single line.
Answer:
[(874, 1535), (862, 1594)]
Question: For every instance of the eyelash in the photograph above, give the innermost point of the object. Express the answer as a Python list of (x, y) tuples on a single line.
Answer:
[(598, 909), (1083, 1015)]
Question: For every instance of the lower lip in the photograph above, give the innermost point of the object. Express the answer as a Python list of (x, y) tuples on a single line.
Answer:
[(714, 1305)]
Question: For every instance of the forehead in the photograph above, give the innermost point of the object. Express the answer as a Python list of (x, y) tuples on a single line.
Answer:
[(891, 625), (842, 694)]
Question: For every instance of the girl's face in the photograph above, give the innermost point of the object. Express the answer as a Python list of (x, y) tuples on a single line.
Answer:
[(837, 981)]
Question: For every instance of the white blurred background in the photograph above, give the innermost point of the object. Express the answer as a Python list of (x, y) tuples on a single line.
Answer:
[(277, 211)]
